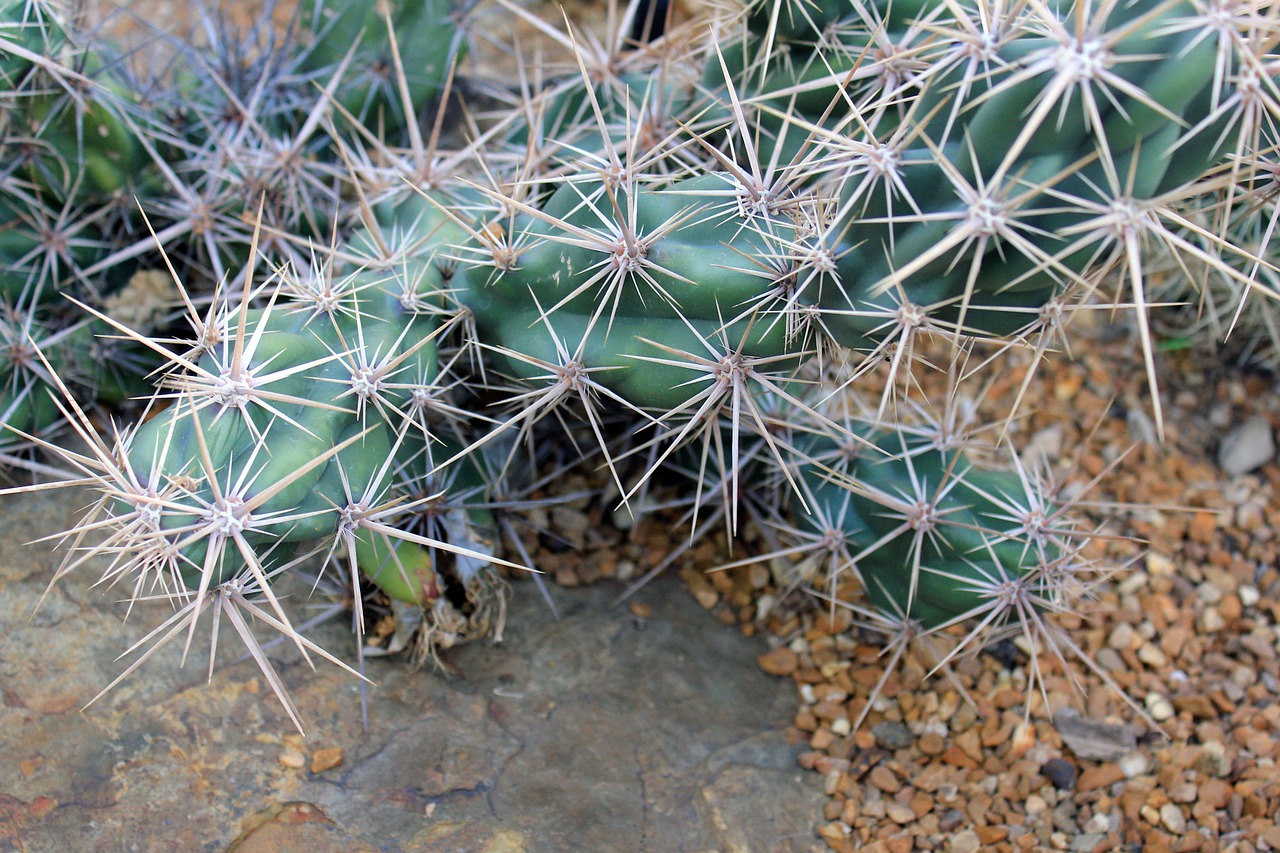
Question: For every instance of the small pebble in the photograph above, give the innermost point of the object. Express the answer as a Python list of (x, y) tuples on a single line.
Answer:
[(1121, 638), (1251, 516), (1159, 707), (1064, 817), (1133, 764), (1094, 739), (779, 662), (884, 779), (898, 813), (965, 842), (1173, 640), (1209, 593), (292, 759), (1172, 818), (1133, 583), (326, 759), (1214, 793), (892, 735), (1044, 447), (1086, 843), (1142, 428), (1150, 654), (1246, 447), (1259, 645), (1109, 659), (1211, 620), (1248, 595), (1099, 824), (1060, 772), (932, 743)]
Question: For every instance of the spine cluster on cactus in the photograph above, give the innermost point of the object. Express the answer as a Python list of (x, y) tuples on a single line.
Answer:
[(696, 252)]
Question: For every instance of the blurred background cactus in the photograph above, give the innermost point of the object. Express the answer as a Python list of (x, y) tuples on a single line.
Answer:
[(327, 294)]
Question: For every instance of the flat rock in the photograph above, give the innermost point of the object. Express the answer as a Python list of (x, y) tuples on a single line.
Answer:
[(595, 732)]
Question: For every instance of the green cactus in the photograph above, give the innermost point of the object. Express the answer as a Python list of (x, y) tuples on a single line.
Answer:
[(32, 35), (428, 43), (933, 537), (654, 264), (87, 146), (26, 406), (42, 250)]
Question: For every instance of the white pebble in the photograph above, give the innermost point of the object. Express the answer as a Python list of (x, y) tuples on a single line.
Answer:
[(1208, 593), (1133, 583), (1211, 620), (1243, 676), (936, 727), (1248, 595), (1160, 565), (1098, 825), (1121, 637), (964, 842), (1159, 707), (1152, 656), (1246, 447), (1132, 764), (1172, 818)]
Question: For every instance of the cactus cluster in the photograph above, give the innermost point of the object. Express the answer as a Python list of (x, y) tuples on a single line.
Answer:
[(727, 252)]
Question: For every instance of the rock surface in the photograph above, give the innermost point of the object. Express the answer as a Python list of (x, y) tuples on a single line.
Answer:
[(597, 732)]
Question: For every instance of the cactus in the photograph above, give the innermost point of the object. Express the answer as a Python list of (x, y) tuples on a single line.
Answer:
[(201, 147), (699, 251), (934, 537), (368, 46)]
